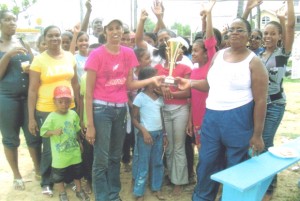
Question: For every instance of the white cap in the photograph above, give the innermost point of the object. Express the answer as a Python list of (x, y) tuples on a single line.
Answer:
[(183, 42), (108, 20)]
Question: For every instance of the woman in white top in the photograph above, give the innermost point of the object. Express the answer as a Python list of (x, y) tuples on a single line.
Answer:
[(235, 109)]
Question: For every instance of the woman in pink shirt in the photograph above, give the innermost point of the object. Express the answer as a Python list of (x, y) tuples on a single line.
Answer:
[(109, 74)]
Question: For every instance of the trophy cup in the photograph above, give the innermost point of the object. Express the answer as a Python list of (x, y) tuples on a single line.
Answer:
[(173, 50)]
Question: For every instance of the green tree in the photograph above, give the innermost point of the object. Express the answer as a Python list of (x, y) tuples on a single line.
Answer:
[(182, 30), (149, 25), (18, 6)]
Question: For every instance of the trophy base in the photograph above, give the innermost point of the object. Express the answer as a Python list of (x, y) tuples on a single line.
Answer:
[(170, 81)]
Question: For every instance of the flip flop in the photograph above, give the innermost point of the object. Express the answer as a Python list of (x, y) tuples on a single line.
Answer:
[(18, 184)]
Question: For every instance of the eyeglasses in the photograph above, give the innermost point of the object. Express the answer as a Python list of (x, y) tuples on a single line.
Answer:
[(231, 30), (255, 38)]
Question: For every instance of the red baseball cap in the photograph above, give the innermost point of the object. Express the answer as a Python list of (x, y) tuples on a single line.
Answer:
[(62, 92)]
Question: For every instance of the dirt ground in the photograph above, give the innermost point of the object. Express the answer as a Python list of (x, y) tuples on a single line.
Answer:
[(287, 189)]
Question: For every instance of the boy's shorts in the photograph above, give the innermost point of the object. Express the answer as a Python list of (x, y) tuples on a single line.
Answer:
[(66, 174)]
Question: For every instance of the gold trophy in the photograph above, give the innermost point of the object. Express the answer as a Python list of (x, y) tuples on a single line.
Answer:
[(173, 50)]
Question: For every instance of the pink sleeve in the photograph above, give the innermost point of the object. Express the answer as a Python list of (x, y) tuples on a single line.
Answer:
[(210, 45)]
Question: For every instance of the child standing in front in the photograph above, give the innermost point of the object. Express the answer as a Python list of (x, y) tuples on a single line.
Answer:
[(62, 127), (151, 139)]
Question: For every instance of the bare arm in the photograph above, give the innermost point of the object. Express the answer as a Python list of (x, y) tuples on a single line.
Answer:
[(86, 19), (76, 31), (137, 84), (290, 27), (250, 5), (183, 84), (76, 89), (53, 132), (139, 35), (34, 84), (90, 85), (142, 129), (206, 14), (259, 86)]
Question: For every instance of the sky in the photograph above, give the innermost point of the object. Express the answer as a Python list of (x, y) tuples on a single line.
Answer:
[(66, 13)]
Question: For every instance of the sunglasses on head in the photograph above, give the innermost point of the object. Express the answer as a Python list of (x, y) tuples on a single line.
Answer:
[(255, 38)]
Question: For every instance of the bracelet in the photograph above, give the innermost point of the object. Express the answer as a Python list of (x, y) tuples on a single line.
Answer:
[(165, 134), (191, 83)]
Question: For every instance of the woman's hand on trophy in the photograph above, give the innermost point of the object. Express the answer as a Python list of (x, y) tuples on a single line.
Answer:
[(158, 80), (183, 83)]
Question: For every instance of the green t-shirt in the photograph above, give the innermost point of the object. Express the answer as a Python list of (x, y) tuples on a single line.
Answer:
[(65, 148)]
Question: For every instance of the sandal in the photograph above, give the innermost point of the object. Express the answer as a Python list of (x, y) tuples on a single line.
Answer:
[(159, 195), (19, 184)]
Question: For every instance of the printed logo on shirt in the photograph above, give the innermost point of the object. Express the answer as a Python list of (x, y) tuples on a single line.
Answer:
[(114, 82), (116, 67)]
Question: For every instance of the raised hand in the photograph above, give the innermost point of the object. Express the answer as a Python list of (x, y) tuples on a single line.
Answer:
[(157, 8), (207, 8), (88, 5), (144, 15), (253, 3), (281, 13), (77, 28)]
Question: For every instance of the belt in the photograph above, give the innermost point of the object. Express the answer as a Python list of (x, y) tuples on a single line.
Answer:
[(275, 97), (110, 103)]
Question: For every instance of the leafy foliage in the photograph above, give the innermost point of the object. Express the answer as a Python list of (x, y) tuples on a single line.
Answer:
[(182, 30), (19, 6)]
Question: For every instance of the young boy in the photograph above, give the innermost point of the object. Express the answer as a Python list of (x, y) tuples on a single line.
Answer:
[(62, 127)]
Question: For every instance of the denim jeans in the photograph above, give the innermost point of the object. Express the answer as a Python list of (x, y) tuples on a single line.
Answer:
[(46, 157), (273, 118), (149, 161), (110, 125), (135, 156), (225, 137)]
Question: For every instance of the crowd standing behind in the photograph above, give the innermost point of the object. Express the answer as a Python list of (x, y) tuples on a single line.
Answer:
[(228, 97)]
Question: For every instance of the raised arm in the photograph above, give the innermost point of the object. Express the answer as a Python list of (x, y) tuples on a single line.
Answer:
[(206, 14), (250, 5), (86, 19), (158, 10), (289, 27), (139, 34), (76, 31)]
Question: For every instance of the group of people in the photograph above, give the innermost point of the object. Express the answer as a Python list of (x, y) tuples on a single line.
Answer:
[(80, 101)]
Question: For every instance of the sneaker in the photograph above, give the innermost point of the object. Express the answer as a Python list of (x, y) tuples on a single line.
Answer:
[(47, 190), (82, 196), (63, 196)]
